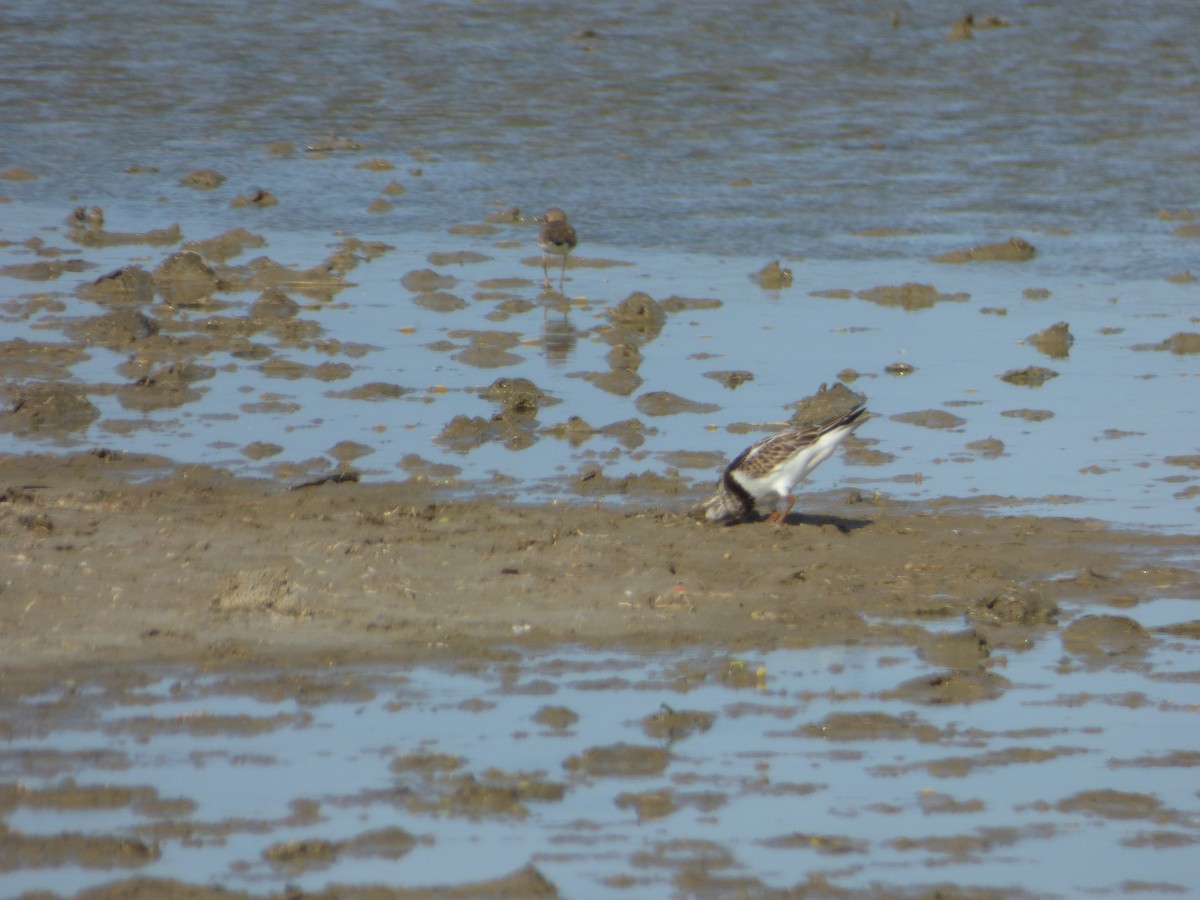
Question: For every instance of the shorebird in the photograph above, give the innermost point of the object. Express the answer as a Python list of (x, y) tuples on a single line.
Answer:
[(768, 470), (556, 237)]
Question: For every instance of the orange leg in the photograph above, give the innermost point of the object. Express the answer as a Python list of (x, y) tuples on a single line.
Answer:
[(780, 516)]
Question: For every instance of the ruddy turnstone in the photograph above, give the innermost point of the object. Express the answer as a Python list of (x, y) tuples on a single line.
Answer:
[(556, 237), (767, 471)]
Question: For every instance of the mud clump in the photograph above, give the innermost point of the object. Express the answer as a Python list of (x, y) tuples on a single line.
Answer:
[(423, 281), (89, 236), (440, 301), (1180, 343), (826, 403), (731, 379), (637, 319), (1054, 341), (1029, 415), (185, 279), (773, 276), (989, 447), (909, 296), (1015, 249), (665, 403), (619, 761), (299, 855), (519, 395), (257, 197), (931, 418), (1101, 636), (556, 718), (202, 180), (47, 409), (671, 725), (115, 330), (274, 304), (225, 246), (374, 390), (872, 726), (957, 686), (1030, 376), (130, 284)]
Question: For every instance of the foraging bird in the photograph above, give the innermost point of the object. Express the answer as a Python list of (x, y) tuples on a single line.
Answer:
[(556, 237), (767, 471)]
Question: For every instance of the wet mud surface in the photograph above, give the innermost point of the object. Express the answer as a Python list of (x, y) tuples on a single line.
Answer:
[(198, 567)]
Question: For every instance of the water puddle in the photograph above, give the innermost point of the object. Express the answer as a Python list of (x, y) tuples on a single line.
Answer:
[(620, 771)]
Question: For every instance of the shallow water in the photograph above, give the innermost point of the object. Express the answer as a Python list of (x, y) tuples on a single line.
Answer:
[(796, 765)]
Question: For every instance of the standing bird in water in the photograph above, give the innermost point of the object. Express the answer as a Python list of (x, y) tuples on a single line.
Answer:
[(767, 471), (556, 237)]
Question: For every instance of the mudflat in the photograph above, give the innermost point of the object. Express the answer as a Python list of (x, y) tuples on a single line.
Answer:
[(104, 564)]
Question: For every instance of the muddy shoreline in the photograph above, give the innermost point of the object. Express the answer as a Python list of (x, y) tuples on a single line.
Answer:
[(195, 567)]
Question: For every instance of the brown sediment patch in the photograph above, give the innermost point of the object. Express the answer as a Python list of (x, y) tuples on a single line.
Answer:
[(693, 459), (1030, 376), (1015, 249), (91, 851), (909, 296), (1188, 462), (130, 284), (1100, 636), (518, 395), (773, 276), (557, 718), (259, 197), (223, 247), (636, 320), (676, 304), (731, 379), (305, 854), (69, 795), (826, 403), (872, 726), (374, 390), (528, 882), (665, 403), (575, 431), (98, 237), (960, 686), (202, 179), (1054, 341), (930, 418), (619, 761), (23, 360), (1029, 415), (1110, 804), (619, 381), (44, 270), (674, 725), (46, 408), (439, 301), (1180, 343), (456, 258)]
